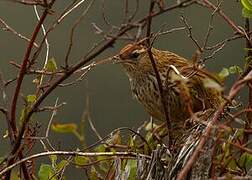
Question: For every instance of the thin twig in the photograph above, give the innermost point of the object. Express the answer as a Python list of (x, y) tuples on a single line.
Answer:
[(47, 45), (159, 82), (75, 153), (223, 15), (170, 31), (76, 23), (210, 25), (10, 29), (70, 10), (31, 2), (190, 34)]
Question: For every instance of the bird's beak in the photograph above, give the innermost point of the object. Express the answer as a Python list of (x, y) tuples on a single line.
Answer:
[(116, 59)]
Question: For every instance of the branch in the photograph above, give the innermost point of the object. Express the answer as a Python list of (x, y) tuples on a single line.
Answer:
[(159, 82), (223, 15), (75, 153), (10, 29), (22, 72)]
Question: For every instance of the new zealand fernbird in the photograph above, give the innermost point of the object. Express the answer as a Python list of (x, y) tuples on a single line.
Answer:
[(187, 89)]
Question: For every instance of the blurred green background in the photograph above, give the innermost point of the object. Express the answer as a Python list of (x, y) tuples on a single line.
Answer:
[(111, 103)]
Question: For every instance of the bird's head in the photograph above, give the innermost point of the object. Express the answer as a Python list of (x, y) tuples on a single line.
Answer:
[(133, 57), (132, 53)]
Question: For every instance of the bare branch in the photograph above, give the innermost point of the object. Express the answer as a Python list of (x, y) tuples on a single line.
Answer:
[(10, 29), (75, 153)]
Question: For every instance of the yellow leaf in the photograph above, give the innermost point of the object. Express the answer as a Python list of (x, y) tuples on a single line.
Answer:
[(51, 65), (64, 128)]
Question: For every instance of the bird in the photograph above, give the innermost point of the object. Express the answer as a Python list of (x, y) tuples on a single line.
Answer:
[(189, 93), (187, 88)]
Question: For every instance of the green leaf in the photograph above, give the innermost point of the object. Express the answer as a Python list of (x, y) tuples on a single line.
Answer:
[(224, 73), (245, 161), (248, 60), (51, 65), (246, 13), (100, 148), (131, 142), (64, 128), (230, 163), (240, 134), (132, 168), (53, 159), (151, 141), (61, 165), (94, 174), (226, 149), (46, 172), (247, 4), (15, 175), (23, 114), (81, 160), (235, 70), (31, 98)]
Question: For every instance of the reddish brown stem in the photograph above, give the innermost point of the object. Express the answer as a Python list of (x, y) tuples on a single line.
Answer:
[(21, 75)]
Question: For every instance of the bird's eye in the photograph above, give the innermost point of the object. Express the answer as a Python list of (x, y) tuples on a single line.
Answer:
[(134, 54)]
